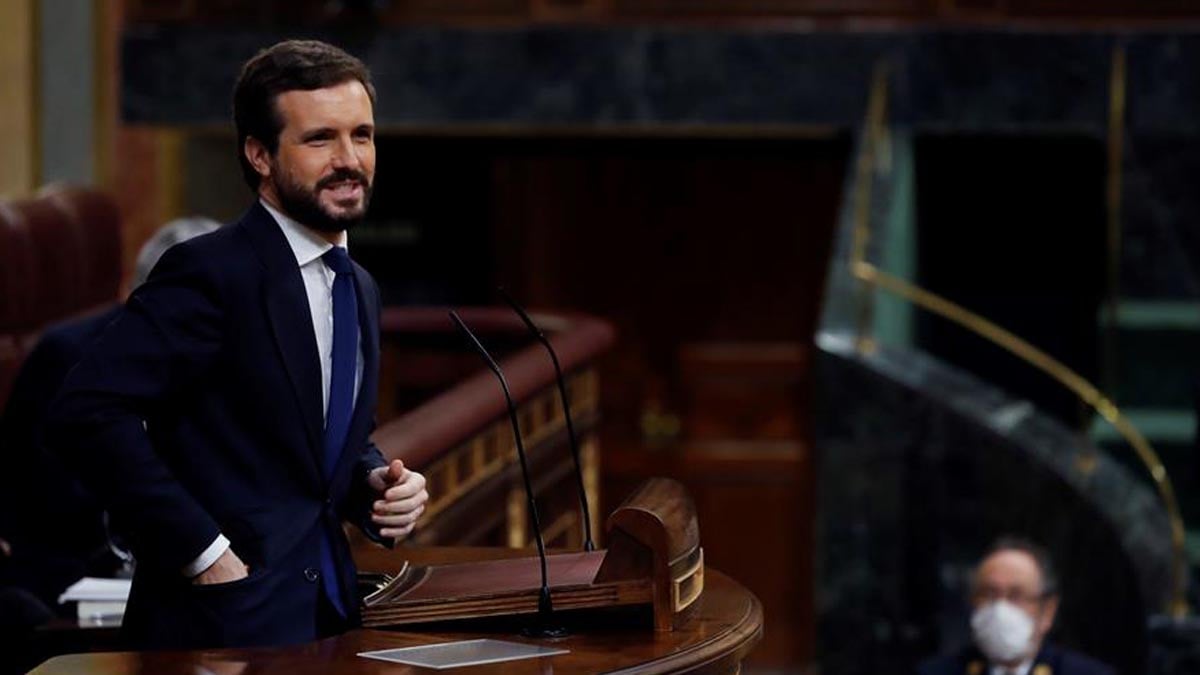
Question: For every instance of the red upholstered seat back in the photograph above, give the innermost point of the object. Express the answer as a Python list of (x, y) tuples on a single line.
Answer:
[(60, 256), (18, 272), (98, 225), (18, 293)]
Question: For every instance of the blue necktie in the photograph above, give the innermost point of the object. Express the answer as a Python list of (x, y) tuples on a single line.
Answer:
[(345, 356), (341, 392)]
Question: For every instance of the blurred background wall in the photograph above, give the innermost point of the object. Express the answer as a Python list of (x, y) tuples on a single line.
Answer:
[(679, 167)]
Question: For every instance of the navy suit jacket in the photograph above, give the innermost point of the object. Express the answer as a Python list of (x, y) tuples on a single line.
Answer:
[(216, 354), (1050, 660)]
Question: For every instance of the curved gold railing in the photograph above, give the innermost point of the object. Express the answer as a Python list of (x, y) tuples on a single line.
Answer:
[(869, 274), (875, 133)]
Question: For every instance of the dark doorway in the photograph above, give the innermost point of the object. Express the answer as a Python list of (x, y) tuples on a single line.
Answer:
[(707, 254), (1014, 230)]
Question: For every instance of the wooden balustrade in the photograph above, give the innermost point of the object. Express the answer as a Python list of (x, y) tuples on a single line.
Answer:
[(460, 436)]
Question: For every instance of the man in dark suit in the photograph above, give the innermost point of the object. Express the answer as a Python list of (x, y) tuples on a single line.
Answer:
[(224, 417), (1014, 593)]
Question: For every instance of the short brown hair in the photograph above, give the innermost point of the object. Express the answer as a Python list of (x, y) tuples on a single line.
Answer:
[(1041, 558), (286, 66)]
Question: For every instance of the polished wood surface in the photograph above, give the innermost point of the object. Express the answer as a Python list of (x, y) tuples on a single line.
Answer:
[(655, 535), (654, 559), (499, 588), (723, 628)]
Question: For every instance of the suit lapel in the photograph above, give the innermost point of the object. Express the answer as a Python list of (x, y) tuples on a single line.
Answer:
[(291, 323)]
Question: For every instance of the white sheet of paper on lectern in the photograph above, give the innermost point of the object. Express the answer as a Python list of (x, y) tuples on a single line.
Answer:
[(463, 653)]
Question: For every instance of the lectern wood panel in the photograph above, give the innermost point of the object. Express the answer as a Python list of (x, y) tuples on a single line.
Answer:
[(656, 560)]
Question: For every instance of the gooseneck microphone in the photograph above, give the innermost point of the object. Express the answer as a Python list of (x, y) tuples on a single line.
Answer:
[(545, 606), (588, 544)]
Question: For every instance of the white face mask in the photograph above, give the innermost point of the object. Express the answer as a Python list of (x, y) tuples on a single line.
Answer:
[(1002, 631)]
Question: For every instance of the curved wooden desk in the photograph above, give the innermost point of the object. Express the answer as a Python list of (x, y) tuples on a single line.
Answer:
[(726, 624)]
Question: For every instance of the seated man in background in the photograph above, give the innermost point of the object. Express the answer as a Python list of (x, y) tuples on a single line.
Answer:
[(39, 494), (1014, 596)]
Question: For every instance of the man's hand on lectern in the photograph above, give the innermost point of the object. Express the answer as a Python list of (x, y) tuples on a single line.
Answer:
[(401, 501)]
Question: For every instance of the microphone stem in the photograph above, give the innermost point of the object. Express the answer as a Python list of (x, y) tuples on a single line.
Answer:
[(533, 512), (588, 544), (545, 607)]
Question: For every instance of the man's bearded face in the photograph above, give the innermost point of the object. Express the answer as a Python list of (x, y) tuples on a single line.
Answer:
[(335, 203), (323, 169)]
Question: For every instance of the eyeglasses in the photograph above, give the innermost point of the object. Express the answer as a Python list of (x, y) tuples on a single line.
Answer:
[(1017, 596)]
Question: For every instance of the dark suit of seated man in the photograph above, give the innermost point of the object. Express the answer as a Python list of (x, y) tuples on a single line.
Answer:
[(224, 418), (37, 491), (1014, 592)]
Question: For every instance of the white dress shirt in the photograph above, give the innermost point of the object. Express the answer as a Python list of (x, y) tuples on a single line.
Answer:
[(308, 247)]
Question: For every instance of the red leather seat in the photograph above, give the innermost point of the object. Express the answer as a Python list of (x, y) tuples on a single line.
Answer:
[(18, 273), (60, 256), (18, 294), (98, 226), (57, 247)]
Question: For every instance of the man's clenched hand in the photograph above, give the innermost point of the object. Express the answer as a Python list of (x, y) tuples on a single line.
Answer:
[(401, 500)]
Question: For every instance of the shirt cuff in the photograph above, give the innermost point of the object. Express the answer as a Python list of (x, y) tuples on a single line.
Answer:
[(206, 559)]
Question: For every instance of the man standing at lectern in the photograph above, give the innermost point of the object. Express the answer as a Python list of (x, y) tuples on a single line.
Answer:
[(224, 418)]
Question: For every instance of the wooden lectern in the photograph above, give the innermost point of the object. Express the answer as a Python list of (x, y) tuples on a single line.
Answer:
[(702, 621), (654, 559)]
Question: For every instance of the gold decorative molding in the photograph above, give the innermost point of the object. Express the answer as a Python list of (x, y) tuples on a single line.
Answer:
[(874, 137), (687, 586), (491, 451), (589, 450), (106, 26), (1112, 189), (516, 518)]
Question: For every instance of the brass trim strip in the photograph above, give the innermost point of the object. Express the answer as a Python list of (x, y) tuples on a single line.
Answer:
[(104, 71), (873, 135), (688, 585), (37, 165), (1116, 137), (516, 517), (590, 458), (961, 316)]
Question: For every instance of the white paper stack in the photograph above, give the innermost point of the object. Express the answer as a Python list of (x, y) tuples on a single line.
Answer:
[(464, 653), (100, 600)]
